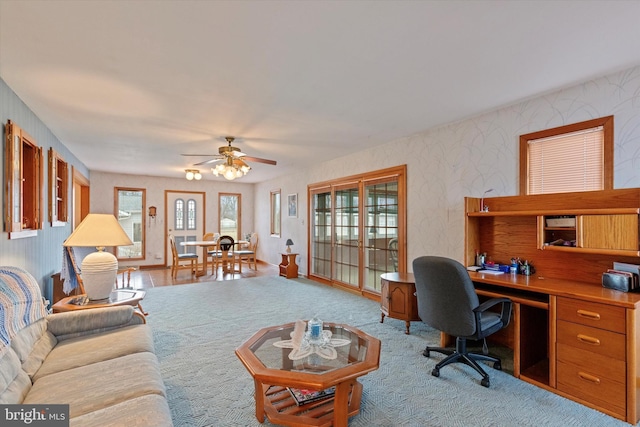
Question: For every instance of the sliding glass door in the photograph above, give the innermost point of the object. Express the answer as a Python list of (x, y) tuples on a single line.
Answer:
[(381, 226), (346, 231), (356, 229)]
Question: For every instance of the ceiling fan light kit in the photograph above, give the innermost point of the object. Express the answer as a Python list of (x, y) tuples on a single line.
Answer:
[(193, 174), (234, 165), (231, 169)]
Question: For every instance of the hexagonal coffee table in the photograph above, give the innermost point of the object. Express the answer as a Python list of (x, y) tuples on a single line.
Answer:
[(273, 371)]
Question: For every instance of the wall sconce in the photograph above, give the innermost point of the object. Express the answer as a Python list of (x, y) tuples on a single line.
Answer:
[(193, 174)]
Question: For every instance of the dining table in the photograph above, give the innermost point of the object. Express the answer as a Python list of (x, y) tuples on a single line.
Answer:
[(205, 245)]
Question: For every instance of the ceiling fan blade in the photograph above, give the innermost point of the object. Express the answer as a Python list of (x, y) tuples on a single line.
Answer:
[(199, 155), (207, 162), (259, 160)]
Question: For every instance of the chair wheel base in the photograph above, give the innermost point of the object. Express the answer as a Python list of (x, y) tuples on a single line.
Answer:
[(426, 353), (435, 372), (485, 382), (497, 365)]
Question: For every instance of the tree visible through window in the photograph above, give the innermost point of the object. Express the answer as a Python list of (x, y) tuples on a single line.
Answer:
[(577, 157)]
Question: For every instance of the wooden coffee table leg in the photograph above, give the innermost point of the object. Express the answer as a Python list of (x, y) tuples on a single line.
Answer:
[(259, 396), (341, 404)]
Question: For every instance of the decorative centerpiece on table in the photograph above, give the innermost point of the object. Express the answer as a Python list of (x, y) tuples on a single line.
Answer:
[(306, 341)]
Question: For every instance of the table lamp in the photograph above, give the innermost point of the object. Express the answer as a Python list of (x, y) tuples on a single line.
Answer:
[(99, 269), (289, 244)]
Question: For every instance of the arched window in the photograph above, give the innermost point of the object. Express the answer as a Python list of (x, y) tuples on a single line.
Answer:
[(179, 214), (191, 214)]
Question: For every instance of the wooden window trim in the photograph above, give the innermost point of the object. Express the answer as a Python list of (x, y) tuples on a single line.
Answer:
[(605, 122), (23, 183), (58, 189), (275, 217)]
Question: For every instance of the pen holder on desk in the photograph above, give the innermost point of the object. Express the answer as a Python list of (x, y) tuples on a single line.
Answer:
[(527, 269)]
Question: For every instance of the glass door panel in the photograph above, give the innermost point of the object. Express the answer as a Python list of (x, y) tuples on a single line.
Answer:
[(381, 226), (320, 247), (346, 235)]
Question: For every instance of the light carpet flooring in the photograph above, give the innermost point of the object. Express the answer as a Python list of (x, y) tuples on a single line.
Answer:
[(198, 326)]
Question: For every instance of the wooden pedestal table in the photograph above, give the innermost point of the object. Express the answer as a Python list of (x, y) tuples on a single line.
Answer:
[(273, 372)]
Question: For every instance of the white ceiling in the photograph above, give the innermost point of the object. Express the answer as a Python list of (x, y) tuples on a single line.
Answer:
[(128, 86)]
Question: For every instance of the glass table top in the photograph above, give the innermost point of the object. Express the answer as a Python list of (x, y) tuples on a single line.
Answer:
[(341, 347)]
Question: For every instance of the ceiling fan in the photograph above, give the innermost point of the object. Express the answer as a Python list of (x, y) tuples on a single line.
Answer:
[(234, 165), (229, 153)]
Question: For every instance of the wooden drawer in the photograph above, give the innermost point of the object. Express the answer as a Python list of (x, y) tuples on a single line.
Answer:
[(593, 314), (597, 365), (592, 387), (594, 340)]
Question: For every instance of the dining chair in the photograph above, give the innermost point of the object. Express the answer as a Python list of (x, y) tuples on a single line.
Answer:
[(225, 254), (248, 254), (212, 250), (180, 260)]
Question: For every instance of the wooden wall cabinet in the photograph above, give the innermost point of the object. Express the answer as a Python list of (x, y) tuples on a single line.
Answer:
[(23, 183), (611, 231), (58, 190)]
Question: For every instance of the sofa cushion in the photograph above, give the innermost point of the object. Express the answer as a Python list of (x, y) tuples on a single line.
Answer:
[(99, 385), (14, 382), (32, 345), (143, 411), (88, 349)]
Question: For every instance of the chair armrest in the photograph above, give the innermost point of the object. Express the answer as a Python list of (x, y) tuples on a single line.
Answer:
[(505, 312), (84, 322)]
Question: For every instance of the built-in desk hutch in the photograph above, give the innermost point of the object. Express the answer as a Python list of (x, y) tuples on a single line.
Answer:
[(569, 334)]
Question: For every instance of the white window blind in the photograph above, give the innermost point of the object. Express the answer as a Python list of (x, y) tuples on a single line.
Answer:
[(568, 162)]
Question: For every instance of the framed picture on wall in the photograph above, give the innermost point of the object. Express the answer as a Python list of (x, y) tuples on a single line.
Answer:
[(292, 205)]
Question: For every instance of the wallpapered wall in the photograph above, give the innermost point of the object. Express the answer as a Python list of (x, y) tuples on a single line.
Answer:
[(468, 157), (40, 255)]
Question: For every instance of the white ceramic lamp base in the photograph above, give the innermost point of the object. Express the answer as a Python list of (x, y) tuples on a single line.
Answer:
[(99, 270)]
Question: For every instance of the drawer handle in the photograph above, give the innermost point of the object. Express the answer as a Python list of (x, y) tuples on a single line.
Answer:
[(589, 314), (588, 340), (589, 378)]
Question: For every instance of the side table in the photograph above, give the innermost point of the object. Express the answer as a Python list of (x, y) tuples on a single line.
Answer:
[(398, 298), (288, 266), (117, 297)]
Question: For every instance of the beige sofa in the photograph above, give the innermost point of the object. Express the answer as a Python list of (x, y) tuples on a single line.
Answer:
[(100, 362)]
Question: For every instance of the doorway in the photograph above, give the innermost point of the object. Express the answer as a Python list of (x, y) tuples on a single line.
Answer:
[(185, 220), (80, 194)]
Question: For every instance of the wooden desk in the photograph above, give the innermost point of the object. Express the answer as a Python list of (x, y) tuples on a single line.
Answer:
[(398, 298), (569, 334), (576, 339)]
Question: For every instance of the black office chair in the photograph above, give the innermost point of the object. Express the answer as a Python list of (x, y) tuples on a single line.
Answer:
[(447, 301)]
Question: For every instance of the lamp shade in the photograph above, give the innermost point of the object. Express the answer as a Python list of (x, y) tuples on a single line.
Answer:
[(99, 269), (99, 230), (289, 242)]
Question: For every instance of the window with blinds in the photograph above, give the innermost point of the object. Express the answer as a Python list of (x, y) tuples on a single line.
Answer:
[(568, 159)]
